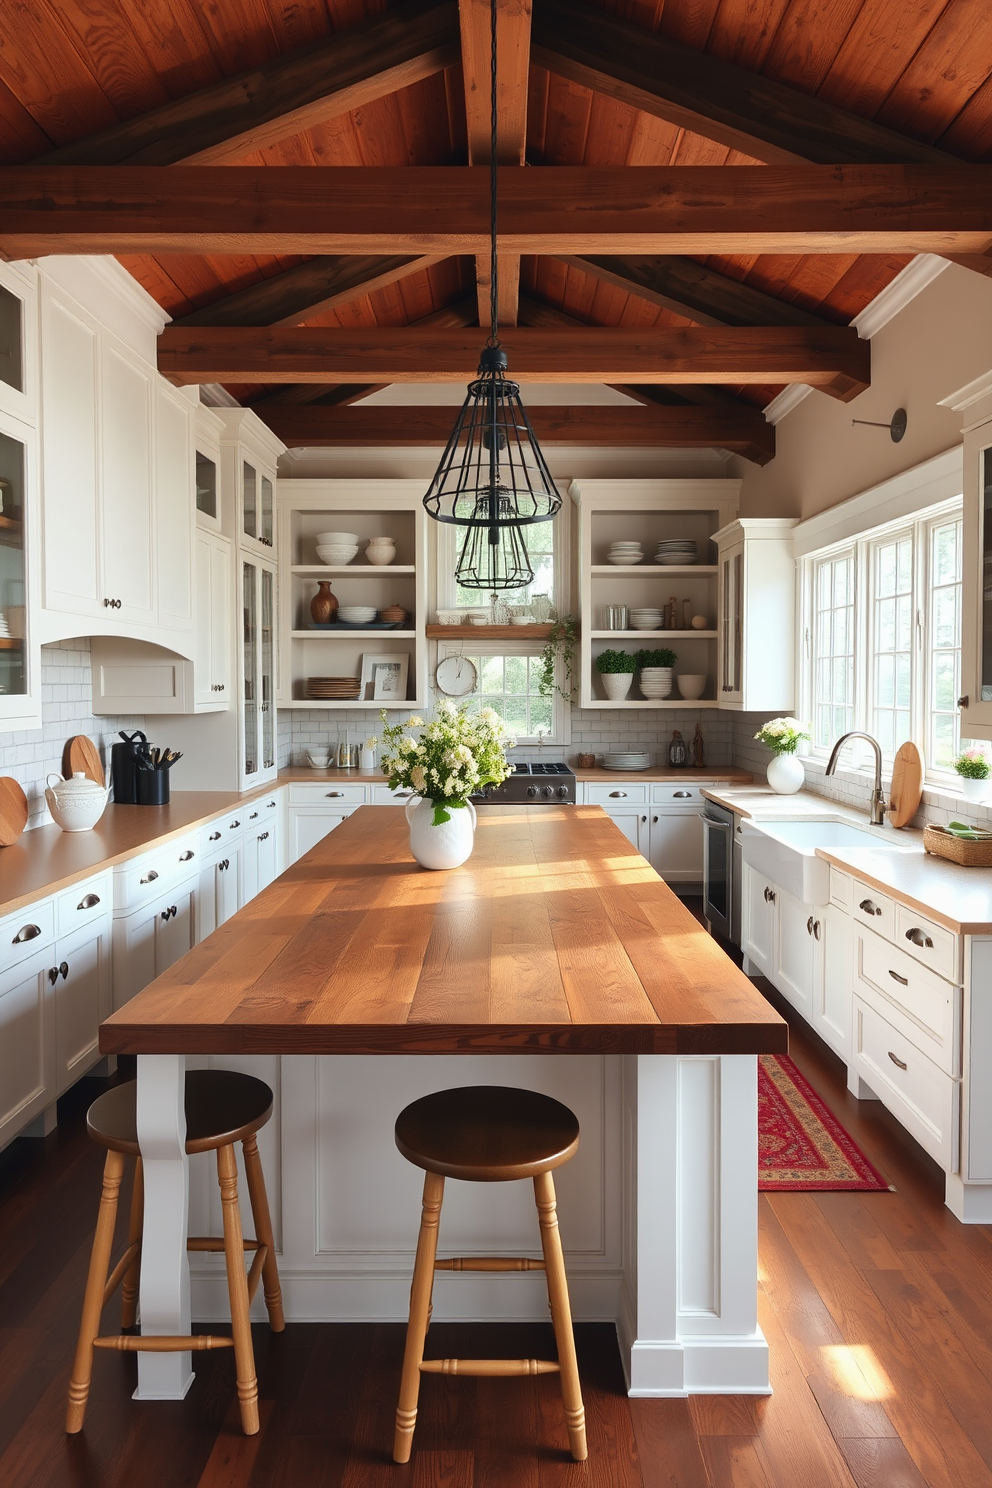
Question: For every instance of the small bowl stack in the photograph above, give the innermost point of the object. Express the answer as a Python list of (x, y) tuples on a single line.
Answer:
[(333, 689), (625, 552), (357, 614), (645, 619), (337, 549), (676, 550)]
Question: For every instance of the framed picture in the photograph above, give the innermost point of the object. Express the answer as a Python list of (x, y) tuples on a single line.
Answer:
[(384, 677)]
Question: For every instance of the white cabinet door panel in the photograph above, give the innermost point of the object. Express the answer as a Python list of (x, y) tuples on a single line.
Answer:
[(676, 845), (797, 945), (836, 986), (27, 1046), (759, 920), (307, 827), (174, 488), (82, 1001), (126, 492), (69, 476), (633, 823)]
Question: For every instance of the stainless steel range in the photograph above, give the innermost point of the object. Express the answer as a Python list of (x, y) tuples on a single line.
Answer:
[(551, 784)]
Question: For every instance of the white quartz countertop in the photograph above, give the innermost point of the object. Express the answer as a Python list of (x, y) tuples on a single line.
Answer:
[(958, 898)]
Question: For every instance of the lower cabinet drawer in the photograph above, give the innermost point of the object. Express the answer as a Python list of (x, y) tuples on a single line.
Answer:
[(327, 792), (921, 1096), (925, 1007), (26, 931), (83, 903), (624, 793), (381, 795)]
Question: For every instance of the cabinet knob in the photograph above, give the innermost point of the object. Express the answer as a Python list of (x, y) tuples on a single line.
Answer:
[(769, 895), (235, 824), (253, 816), (53, 974), (64, 970), (618, 795), (270, 803), (919, 938), (88, 901), (262, 836), (816, 929), (809, 925), (643, 818), (654, 820), (962, 703)]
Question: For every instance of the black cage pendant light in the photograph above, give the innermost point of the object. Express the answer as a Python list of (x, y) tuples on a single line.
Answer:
[(493, 479)]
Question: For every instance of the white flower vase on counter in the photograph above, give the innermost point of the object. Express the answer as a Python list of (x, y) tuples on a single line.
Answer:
[(616, 685), (447, 845), (785, 774), (974, 790)]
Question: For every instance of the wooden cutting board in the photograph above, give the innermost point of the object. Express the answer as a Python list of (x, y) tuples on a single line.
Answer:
[(907, 785), (13, 811), (80, 753)]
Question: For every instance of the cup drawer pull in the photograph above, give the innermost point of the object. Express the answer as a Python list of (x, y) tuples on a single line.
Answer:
[(681, 795), (870, 907), (214, 837), (88, 901), (186, 856), (618, 795), (26, 932), (333, 795), (919, 938), (149, 877), (903, 981), (900, 1063)]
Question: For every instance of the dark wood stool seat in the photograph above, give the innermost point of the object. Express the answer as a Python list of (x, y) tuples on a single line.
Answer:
[(222, 1107), (487, 1134)]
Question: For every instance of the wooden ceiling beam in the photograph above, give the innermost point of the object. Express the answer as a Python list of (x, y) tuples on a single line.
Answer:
[(284, 96), (310, 289), (445, 210), (512, 77), (743, 430), (716, 99), (830, 357)]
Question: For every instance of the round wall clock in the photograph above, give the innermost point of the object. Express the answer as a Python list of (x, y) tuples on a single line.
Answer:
[(456, 676)]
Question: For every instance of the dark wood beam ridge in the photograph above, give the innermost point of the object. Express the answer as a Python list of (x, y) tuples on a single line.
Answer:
[(710, 97), (830, 357), (436, 209), (284, 96), (309, 289), (742, 430)]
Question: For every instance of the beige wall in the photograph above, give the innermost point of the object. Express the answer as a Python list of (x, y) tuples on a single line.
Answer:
[(939, 342)]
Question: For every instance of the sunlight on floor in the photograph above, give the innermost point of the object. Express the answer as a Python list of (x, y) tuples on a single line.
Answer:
[(857, 1371)]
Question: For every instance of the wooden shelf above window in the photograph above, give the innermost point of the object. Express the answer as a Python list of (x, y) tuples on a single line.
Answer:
[(488, 632), (11, 643)]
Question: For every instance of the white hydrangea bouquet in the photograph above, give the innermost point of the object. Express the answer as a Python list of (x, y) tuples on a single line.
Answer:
[(458, 752), (782, 734)]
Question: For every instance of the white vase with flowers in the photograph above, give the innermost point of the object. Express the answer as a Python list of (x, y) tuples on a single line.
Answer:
[(785, 773)]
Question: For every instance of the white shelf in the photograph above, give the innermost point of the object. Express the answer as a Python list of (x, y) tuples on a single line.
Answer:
[(661, 635), (314, 704), (353, 568), (623, 570), (652, 703), (344, 635)]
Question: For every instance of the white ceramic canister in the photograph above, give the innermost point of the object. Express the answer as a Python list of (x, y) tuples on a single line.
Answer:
[(77, 804), (380, 551), (446, 846)]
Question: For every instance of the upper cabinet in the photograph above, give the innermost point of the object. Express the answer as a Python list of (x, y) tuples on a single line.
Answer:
[(974, 403), (756, 615), (20, 528), (249, 452), (118, 470), (19, 341)]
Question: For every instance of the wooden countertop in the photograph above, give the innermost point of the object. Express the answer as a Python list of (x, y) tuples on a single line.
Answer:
[(555, 937), (47, 859), (722, 774)]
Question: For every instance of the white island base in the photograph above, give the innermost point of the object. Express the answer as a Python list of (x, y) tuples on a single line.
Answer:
[(658, 1208)]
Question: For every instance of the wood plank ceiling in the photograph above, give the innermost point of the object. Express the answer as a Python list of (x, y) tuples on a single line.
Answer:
[(602, 84)]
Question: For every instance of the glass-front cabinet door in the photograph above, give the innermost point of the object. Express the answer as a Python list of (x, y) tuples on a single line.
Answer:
[(258, 732), (731, 628), (18, 341), (257, 504), (975, 703), (19, 658)]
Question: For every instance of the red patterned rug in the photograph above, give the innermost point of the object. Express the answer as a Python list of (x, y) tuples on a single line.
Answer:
[(801, 1144)]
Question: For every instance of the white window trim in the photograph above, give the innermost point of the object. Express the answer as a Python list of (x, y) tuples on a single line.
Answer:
[(919, 522), (561, 712)]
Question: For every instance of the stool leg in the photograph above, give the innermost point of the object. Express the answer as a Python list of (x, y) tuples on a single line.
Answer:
[(420, 1309), (129, 1290), (263, 1233), (561, 1315), (96, 1281), (237, 1286)]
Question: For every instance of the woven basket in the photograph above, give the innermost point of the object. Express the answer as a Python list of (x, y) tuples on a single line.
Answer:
[(944, 844)]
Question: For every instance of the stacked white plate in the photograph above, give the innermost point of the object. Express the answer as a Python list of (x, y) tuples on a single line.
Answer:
[(357, 614), (645, 619), (631, 759), (625, 552), (676, 550)]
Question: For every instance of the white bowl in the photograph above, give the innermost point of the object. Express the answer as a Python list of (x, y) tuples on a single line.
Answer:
[(345, 539), (692, 685), (522, 620), (478, 619), (318, 761), (336, 557), (624, 558)]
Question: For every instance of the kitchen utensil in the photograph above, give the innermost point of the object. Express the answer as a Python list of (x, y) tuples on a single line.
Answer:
[(81, 755), (318, 759), (124, 767), (907, 785), (13, 811), (944, 844), (153, 788), (76, 804)]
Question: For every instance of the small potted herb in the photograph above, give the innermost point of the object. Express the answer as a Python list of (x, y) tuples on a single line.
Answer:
[(655, 668), (617, 670), (974, 769)]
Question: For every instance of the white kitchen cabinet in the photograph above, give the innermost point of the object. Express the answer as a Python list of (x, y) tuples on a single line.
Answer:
[(756, 619), (759, 921), (675, 839), (27, 1043), (127, 570), (20, 547), (175, 486), (798, 944), (212, 660), (70, 372), (309, 825), (835, 990), (81, 977), (149, 940), (976, 591), (220, 889), (261, 854), (19, 341)]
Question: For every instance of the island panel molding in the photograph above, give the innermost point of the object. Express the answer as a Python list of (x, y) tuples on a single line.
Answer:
[(696, 210), (345, 953)]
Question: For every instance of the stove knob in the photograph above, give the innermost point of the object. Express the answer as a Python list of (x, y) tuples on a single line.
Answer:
[(548, 792), (532, 792), (563, 793)]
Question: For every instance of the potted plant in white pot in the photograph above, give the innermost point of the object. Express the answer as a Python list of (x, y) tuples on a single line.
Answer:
[(785, 773), (974, 769), (655, 667), (617, 670)]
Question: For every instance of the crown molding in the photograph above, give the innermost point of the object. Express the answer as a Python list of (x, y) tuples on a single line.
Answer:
[(890, 301), (788, 399)]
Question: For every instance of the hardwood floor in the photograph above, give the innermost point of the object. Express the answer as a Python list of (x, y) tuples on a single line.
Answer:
[(877, 1307)]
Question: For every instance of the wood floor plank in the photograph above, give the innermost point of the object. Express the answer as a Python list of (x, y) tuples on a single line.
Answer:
[(881, 1462), (733, 1462), (725, 1415), (667, 1446), (233, 1456)]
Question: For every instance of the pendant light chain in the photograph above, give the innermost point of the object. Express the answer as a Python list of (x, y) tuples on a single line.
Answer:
[(493, 265)]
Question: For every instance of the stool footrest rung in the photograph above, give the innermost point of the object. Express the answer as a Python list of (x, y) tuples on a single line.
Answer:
[(129, 1343), (489, 1263), (209, 1242), (485, 1367), (117, 1275)]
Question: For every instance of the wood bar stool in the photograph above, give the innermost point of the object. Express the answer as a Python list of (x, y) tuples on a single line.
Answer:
[(487, 1134), (222, 1107)]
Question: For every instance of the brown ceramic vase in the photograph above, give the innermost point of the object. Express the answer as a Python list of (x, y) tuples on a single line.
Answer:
[(324, 605)]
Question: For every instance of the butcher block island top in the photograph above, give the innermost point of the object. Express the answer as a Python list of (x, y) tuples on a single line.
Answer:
[(555, 937)]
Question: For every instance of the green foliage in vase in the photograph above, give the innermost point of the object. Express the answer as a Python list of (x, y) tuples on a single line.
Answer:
[(616, 661), (457, 753), (663, 657)]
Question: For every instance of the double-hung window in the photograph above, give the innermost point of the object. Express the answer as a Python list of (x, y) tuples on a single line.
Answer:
[(883, 639)]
